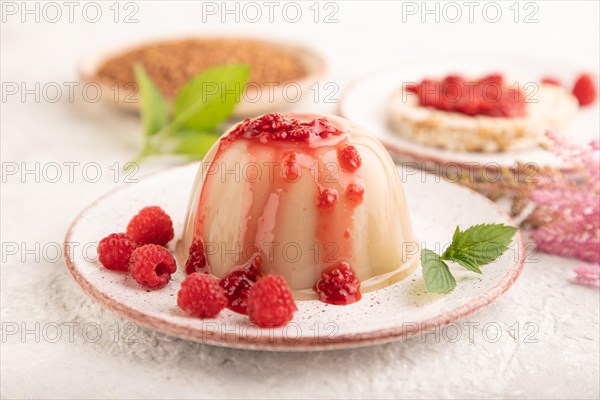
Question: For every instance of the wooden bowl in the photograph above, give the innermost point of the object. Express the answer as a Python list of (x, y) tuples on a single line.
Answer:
[(252, 103)]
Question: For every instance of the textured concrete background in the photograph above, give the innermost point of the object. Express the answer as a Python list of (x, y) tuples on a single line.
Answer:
[(539, 340)]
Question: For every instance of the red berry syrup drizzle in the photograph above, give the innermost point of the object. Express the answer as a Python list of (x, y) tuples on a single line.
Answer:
[(237, 284), (338, 285)]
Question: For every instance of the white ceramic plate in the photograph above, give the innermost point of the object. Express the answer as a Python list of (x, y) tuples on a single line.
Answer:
[(366, 103), (436, 208)]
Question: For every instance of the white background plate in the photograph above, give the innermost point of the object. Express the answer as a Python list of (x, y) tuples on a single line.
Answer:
[(366, 103), (436, 208)]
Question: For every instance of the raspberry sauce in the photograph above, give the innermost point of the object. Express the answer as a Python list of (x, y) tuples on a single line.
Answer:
[(488, 96)]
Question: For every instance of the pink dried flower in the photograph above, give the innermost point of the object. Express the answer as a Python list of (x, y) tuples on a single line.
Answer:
[(569, 206), (588, 274)]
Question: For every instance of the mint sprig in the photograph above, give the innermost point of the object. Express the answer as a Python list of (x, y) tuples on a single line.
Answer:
[(438, 278), (199, 109), (472, 248)]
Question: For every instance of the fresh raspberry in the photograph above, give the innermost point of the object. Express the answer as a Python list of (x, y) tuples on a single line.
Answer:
[(114, 251), (201, 296), (492, 79), (428, 93), (453, 79), (196, 261), (270, 302), (237, 284), (451, 92), (585, 89), (152, 265), (412, 88), (451, 89), (339, 285), (354, 193), (326, 197), (349, 158), (151, 226), (550, 80)]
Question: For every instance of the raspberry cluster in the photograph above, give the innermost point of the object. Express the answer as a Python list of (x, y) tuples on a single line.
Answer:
[(339, 285), (268, 300), (140, 251), (277, 127), (488, 96)]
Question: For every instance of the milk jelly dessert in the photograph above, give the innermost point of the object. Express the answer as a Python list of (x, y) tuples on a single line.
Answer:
[(315, 199)]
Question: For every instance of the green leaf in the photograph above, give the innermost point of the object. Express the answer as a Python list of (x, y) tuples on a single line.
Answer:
[(194, 144), (466, 261), (210, 97), (479, 245), (437, 275), (153, 105)]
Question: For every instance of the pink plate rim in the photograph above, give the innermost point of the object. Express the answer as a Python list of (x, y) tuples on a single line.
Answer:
[(268, 342)]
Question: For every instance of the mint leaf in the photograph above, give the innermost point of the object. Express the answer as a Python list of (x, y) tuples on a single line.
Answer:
[(210, 97), (153, 106), (199, 108), (466, 261), (436, 273), (194, 144), (479, 245)]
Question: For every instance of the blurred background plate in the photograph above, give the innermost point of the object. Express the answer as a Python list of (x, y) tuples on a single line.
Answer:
[(366, 103)]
